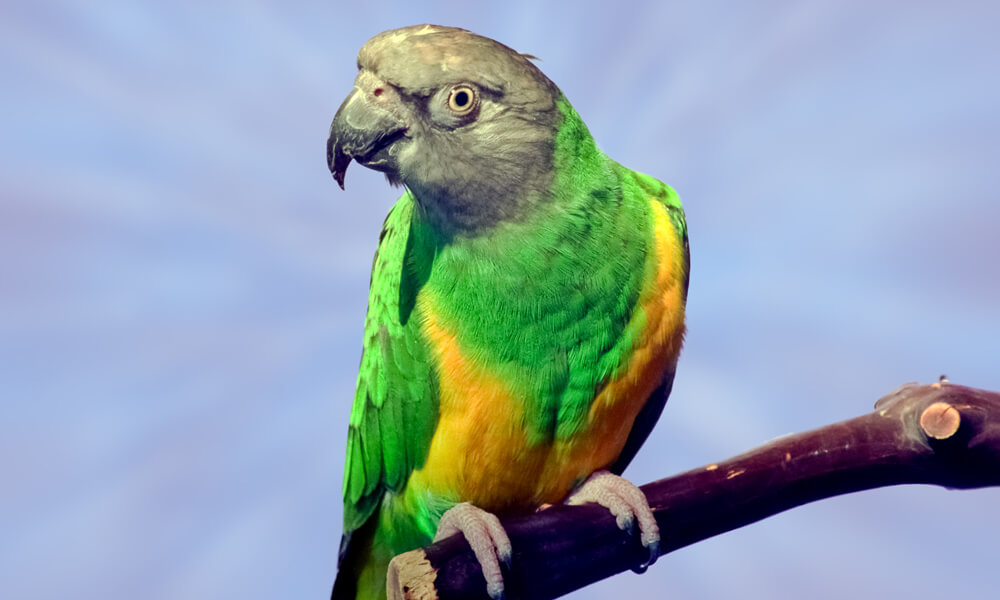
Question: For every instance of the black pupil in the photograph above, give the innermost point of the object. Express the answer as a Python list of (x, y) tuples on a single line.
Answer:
[(461, 98)]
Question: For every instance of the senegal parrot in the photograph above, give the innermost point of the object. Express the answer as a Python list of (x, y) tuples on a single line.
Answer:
[(526, 308)]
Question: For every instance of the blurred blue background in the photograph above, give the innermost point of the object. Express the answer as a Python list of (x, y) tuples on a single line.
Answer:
[(182, 285)]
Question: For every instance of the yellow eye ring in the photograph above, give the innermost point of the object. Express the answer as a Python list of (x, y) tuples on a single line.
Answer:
[(462, 99)]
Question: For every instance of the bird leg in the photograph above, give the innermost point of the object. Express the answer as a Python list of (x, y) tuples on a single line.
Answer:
[(627, 503), (486, 537)]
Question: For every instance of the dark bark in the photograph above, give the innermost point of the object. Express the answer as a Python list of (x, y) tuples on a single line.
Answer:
[(939, 434)]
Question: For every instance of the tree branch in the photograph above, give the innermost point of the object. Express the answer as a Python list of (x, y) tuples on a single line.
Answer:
[(939, 434)]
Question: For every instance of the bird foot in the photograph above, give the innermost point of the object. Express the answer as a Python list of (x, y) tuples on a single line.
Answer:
[(627, 503), (486, 537)]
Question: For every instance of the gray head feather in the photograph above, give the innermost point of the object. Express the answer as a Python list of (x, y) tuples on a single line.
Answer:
[(423, 57), (470, 168)]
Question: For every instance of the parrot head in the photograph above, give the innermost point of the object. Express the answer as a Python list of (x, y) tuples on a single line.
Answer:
[(464, 122)]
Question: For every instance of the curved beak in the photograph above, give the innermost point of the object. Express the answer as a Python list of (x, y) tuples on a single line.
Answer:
[(364, 130)]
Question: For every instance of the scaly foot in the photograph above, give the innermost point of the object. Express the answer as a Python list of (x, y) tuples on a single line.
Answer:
[(627, 503), (486, 537)]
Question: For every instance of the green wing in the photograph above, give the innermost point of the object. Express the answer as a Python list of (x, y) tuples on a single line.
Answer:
[(395, 407)]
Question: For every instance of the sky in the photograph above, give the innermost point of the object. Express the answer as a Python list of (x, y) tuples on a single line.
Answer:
[(183, 286)]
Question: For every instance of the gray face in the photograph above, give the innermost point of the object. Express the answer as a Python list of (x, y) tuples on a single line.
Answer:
[(466, 123)]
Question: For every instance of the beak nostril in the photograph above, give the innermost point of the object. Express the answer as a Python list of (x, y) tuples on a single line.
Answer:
[(377, 92)]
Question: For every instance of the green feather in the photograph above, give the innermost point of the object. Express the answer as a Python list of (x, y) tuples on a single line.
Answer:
[(395, 404)]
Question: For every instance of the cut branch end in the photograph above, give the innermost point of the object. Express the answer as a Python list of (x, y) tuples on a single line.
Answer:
[(940, 420)]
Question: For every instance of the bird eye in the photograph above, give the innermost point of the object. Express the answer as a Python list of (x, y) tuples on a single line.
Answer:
[(462, 99)]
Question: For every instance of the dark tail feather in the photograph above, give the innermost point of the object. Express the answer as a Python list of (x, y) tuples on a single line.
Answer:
[(355, 546), (644, 422)]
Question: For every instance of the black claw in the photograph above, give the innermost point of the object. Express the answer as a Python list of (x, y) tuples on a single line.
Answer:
[(654, 553)]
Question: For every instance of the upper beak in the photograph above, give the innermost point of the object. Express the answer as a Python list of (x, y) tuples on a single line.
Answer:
[(363, 129)]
